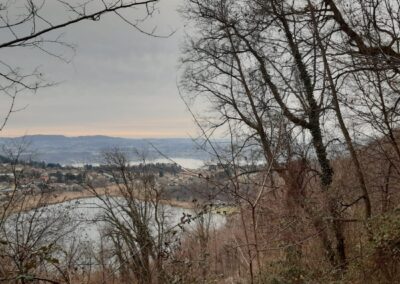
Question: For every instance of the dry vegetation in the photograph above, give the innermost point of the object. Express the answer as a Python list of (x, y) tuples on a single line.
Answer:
[(308, 93)]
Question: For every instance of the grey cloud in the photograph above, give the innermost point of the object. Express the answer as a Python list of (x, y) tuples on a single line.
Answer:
[(119, 79)]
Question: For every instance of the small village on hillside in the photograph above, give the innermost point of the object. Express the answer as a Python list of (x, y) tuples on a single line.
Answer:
[(62, 183)]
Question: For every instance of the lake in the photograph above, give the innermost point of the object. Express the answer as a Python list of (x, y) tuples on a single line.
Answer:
[(88, 212), (187, 163)]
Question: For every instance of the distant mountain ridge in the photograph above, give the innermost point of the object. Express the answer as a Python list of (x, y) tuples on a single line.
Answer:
[(88, 149)]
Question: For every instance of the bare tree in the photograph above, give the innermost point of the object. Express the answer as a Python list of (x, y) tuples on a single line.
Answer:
[(28, 24), (138, 226), (31, 234), (258, 49)]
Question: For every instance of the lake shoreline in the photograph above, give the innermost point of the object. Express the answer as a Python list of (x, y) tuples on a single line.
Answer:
[(64, 196)]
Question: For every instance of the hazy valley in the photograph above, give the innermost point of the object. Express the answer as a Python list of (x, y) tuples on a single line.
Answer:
[(89, 149)]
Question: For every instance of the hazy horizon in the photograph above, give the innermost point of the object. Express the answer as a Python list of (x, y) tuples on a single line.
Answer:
[(120, 82), (94, 135)]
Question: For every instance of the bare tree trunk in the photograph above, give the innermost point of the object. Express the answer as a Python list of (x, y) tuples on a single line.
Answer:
[(349, 142)]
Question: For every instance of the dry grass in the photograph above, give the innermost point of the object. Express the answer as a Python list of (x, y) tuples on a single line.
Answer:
[(43, 199)]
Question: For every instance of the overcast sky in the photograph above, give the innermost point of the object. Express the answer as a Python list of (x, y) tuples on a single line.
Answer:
[(120, 82)]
